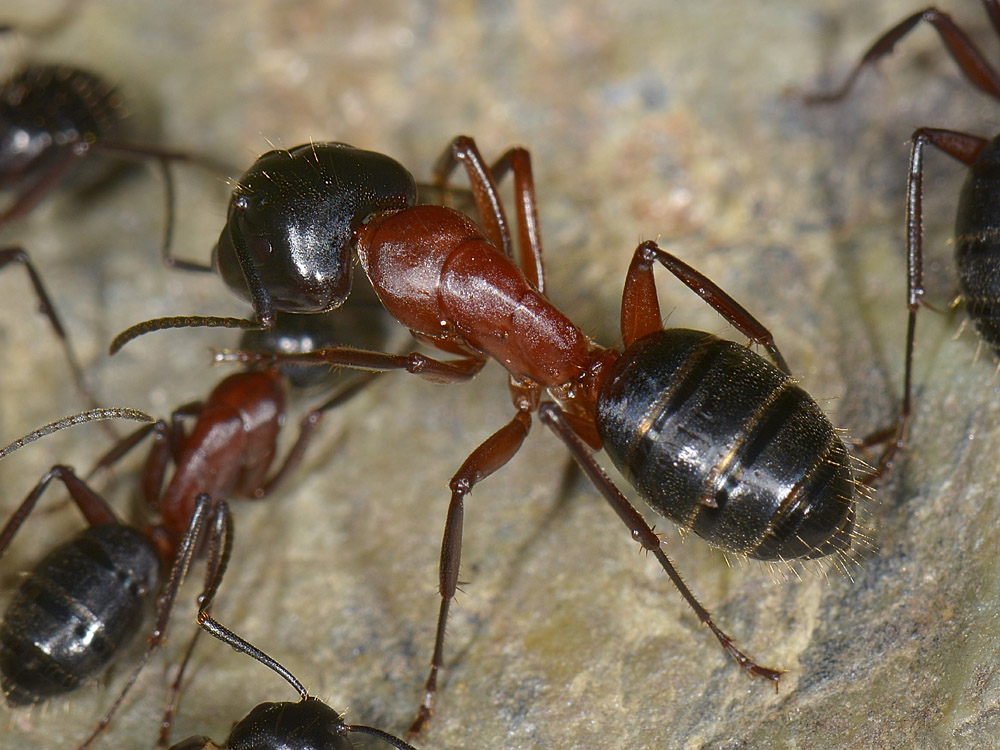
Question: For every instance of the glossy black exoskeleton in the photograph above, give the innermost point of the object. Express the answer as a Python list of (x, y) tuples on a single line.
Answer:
[(308, 724), (50, 115), (722, 441), (977, 222)]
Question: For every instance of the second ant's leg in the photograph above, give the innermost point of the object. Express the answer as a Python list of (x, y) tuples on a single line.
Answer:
[(973, 64), (307, 428), (529, 237), (496, 451), (219, 550), (11, 255), (163, 159), (641, 309), (463, 150), (552, 415), (965, 148), (92, 505)]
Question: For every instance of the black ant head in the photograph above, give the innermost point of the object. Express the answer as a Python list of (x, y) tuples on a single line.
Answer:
[(293, 218)]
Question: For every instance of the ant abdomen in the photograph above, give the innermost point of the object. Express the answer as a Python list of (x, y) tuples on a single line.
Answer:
[(977, 244), (725, 444), (71, 615), (45, 108)]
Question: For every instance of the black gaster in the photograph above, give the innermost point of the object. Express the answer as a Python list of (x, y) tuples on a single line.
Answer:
[(74, 611), (720, 441), (977, 243)]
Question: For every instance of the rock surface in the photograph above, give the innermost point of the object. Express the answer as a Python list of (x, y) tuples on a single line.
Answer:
[(664, 121)]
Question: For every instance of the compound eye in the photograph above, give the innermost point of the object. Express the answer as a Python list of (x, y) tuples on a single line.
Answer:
[(260, 249)]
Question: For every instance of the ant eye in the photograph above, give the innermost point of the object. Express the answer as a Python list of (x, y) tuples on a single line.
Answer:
[(260, 249)]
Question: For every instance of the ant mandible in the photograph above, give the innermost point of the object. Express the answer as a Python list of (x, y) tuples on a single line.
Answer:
[(712, 435), (977, 249)]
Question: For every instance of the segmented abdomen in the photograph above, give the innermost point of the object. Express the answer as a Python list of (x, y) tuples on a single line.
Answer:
[(721, 442), (74, 611)]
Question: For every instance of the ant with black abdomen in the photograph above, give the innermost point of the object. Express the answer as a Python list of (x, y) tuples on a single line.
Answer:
[(713, 436), (977, 250), (229, 450)]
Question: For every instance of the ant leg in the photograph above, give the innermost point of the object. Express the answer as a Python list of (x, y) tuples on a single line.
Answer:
[(164, 448), (213, 516), (164, 158), (32, 195), (641, 309), (965, 148), (433, 370), (94, 508), (973, 64), (220, 548), (464, 150), (307, 428), (529, 236), (10, 255), (489, 206), (551, 415), (170, 710), (493, 453)]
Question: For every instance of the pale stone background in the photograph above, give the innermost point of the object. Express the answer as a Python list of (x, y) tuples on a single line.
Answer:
[(646, 120)]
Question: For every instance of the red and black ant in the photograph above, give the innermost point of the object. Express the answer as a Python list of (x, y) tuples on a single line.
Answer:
[(308, 724), (48, 647), (977, 250), (712, 435)]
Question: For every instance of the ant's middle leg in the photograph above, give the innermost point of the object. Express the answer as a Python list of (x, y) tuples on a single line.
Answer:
[(492, 454), (463, 150), (484, 181)]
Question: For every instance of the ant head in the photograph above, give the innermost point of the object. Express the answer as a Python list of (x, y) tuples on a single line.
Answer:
[(311, 722), (293, 218)]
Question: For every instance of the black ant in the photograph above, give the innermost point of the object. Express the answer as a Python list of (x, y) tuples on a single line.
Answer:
[(54, 116), (977, 252), (229, 450), (51, 118), (308, 724), (712, 435)]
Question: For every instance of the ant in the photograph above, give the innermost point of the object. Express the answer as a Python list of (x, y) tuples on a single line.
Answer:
[(229, 450), (977, 251), (54, 116), (51, 118), (308, 724), (710, 434)]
